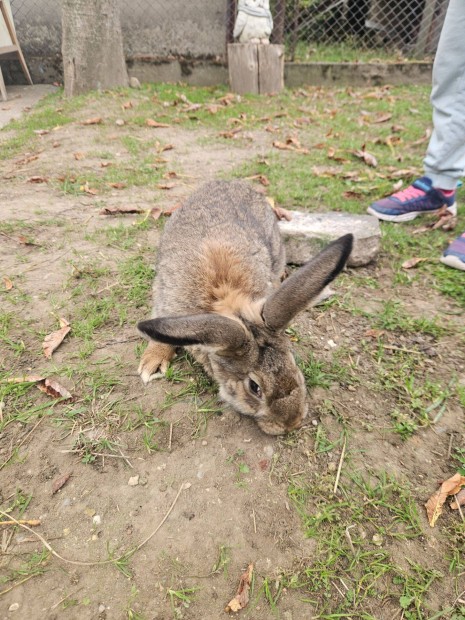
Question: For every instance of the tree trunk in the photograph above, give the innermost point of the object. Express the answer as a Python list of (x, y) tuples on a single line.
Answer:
[(92, 48)]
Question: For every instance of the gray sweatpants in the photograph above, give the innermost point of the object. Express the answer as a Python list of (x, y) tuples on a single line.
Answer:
[(445, 158)]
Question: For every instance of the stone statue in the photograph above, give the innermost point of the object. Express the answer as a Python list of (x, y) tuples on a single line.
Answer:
[(254, 22)]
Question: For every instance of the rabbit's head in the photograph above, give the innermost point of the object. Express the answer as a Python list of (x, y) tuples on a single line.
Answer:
[(249, 355)]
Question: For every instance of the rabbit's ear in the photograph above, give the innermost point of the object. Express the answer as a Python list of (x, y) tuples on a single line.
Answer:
[(300, 288), (207, 329)]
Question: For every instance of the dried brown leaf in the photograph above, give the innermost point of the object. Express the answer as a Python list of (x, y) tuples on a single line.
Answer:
[(241, 599), (156, 212), (166, 185), (78, 155), (435, 503), (459, 500), (52, 341), (282, 214), (127, 105), (8, 283), (37, 179), (374, 333), (97, 120), (382, 117), (88, 190), (367, 157), (41, 132), (60, 482), (151, 123), (172, 209), (120, 210), (117, 185), (413, 262), (54, 389)]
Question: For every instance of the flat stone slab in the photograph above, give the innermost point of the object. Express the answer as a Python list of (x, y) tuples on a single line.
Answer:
[(308, 233)]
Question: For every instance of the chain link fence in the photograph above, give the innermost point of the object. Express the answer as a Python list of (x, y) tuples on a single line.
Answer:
[(331, 30), (337, 29)]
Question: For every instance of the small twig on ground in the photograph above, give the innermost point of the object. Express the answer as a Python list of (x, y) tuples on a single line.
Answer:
[(340, 591), (64, 599), (15, 585), (449, 449), (126, 459), (341, 460), (254, 522), (459, 507), (102, 454), (459, 599), (21, 443), (171, 437), (21, 521), (102, 562), (349, 539)]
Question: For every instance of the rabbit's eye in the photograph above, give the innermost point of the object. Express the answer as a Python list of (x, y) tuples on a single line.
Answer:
[(255, 388)]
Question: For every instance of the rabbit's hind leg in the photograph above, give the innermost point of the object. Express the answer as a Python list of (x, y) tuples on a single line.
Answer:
[(155, 360)]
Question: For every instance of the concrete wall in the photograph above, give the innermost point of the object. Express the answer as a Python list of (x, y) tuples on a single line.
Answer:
[(150, 27)]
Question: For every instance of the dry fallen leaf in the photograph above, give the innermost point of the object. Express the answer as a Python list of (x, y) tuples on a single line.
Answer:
[(78, 155), (368, 158), (127, 105), (241, 599), (37, 179), (166, 185), (435, 503), (282, 214), (88, 190), (117, 185), (105, 164), (8, 283), (41, 132), (92, 121), (172, 209), (151, 123), (54, 389), (120, 210), (459, 500), (156, 212), (413, 262), (374, 333), (382, 117), (53, 340), (60, 482)]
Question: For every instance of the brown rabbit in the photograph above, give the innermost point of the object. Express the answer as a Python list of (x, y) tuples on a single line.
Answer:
[(218, 292)]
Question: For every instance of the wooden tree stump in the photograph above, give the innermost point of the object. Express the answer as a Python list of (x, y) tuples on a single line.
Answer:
[(256, 68), (93, 57)]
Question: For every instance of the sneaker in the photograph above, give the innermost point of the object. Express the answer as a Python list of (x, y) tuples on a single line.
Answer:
[(454, 256), (419, 198)]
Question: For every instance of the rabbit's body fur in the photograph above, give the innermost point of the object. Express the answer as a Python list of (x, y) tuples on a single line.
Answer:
[(217, 291), (218, 258)]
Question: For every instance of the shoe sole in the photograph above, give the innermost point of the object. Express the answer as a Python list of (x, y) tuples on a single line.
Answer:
[(453, 261), (407, 217)]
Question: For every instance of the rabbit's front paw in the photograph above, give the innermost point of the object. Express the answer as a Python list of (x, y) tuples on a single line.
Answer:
[(155, 361)]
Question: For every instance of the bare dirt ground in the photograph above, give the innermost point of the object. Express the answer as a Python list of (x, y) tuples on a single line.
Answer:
[(137, 455)]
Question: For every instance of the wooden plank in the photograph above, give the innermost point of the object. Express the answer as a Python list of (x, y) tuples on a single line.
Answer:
[(271, 69), (2, 86), (243, 68)]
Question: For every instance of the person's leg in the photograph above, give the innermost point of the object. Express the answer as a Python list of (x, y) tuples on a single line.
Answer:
[(445, 157)]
